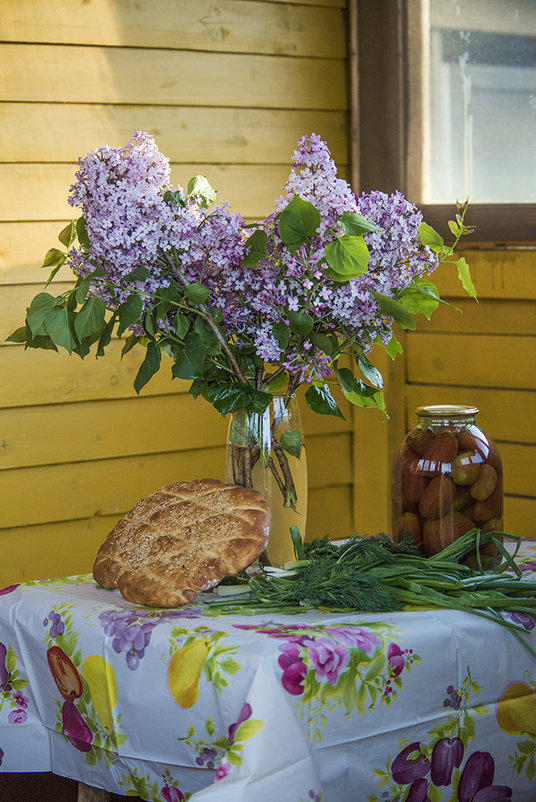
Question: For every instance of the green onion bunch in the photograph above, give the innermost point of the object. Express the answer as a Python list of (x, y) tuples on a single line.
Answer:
[(374, 574)]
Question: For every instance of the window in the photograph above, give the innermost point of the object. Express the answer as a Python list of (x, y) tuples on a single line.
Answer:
[(447, 108)]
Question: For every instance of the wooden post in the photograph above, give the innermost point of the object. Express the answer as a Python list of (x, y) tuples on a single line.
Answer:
[(86, 793)]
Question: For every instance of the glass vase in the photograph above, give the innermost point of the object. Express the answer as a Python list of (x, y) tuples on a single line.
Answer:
[(447, 479), (266, 451)]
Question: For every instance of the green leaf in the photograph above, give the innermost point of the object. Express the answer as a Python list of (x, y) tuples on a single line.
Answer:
[(53, 257), (371, 373), (421, 297), (139, 273), (68, 235), (324, 342), (355, 224), (247, 729), (181, 325), (130, 342), (90, 319), (430, 237), (300, 322), (209, 726), (174, 197), (393, 347), (464, 275), (199, 187), (229, 398), (298, 223), (233, 757), (281, 332), (81, 232), (255, 248), (148, 367), (347, 257), (18, 336), (10, 659), (277, 384), (106, 335), (396, 309), (320, 400), (129, 312), (210, 341), (81, 289), (196, 293), (53, 272), (189, 363), (58, 328), (291, 441)]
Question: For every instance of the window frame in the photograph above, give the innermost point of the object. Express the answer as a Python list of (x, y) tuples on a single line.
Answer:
[(388, 52)]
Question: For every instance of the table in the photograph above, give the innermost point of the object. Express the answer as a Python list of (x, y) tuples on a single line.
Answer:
[(185, 704)]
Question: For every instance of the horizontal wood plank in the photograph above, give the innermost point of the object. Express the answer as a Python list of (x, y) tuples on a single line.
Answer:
[(39, 192), (519, 516), (489, 316), (108, 487), (519, 466), (496, 274), (330, 513), (505, 415), (51, 73), (235, 26), (22, 248), (185, 134), (480, 361)]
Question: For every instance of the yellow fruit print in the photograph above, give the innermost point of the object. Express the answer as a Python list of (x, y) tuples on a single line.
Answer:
[(184, 671), (100, 677), (516, 710)]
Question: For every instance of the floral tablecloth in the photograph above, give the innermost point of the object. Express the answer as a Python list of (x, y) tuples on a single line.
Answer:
[(422, 705)]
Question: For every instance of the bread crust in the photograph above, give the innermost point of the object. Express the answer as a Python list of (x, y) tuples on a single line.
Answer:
[(182, 540)]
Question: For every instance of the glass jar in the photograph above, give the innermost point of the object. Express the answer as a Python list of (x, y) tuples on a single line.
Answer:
[(446, 479)]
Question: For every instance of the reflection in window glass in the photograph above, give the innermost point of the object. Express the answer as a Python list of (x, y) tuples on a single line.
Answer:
[(482, 100)]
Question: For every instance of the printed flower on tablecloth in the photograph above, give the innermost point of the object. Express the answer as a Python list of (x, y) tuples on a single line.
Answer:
[(225, 750), (88, 689), (424, 767), (516, 716), (333, 665), (194, 652), (8, 589), (11, 685), (134, 784)]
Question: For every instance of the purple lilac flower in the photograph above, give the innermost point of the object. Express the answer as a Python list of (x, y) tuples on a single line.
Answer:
[(328, 658), (18, 716)]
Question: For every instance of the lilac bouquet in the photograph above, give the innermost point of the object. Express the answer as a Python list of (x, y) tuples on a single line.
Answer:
[(242, 311)]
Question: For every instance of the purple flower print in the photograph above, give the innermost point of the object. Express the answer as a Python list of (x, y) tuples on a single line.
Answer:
[(223, 771), (314, 797), (418, 791), (3, 670), (396, 659), (447, 755), (524, 619), (328, 658), (1, 755), (9, 589), (355, 638), (20, 699), (245, 713), (476, 781), (18, 716), (410, 765), (294, 669)]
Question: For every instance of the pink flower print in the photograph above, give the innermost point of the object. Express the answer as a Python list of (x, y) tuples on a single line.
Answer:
[(1, 755), (20, 699), (294, 669), (223, 771), (328, 658), (18, 716), (355, 638), (396, 659)]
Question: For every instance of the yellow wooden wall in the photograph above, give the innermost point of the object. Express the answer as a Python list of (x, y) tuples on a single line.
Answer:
[(226, 89)]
